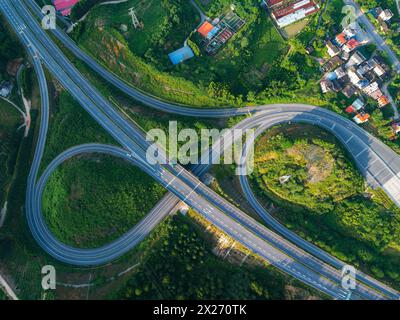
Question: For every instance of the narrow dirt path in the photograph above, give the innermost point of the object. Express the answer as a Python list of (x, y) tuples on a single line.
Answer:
[(7, 289)]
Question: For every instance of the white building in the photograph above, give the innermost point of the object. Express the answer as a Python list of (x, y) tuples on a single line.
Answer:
[(296, 11), (332, 49), (386, 15), (354, 76), (379, 70)]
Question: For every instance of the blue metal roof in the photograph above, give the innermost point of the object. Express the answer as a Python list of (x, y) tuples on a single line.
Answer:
[(181, 55)]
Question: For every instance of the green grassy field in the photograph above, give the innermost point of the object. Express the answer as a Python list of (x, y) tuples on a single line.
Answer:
[(267, 43)]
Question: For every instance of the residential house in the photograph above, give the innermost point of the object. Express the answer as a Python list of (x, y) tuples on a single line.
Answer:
[(383, 101), (379, 70), (326, 86), (332, 63), (361, 118), (396, 127), (386, 15), (353, 75), (366, 67), (351, 45), (376, 95), (345, 55), (356, 59), (341, 39), (370, 76), (352, 30), (358, 104), (350, 109), (332, 49), (310, 49), (340, 72), (338, 85), (349, 91)]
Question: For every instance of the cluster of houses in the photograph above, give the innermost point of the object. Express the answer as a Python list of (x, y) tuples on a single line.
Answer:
[(348, 71), (287, 12), (383, 17)]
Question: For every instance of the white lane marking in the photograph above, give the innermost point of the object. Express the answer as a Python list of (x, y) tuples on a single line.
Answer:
[(352, 136), (174, 178), (191, 192), (361, 153)]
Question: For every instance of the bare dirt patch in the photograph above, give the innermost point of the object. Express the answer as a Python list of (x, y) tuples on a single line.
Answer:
[(319, 163)]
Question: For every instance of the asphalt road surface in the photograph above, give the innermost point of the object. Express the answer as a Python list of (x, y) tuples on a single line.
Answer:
[(280, 252)]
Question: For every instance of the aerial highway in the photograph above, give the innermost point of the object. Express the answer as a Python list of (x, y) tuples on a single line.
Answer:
[(145, 98), (186, 187), (386, 178), (184, 192)]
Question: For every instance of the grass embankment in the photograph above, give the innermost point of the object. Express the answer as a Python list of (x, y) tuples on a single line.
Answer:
[(114, 48), (325, 200), (257, 66)]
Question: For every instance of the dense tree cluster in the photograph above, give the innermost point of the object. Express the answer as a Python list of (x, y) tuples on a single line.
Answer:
[(9, 48), (88, 203), (181, 266)]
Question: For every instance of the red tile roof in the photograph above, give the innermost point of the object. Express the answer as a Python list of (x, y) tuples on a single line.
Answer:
[(363, 117), (352, 43), (341, 38), (205, 28), (383, 101)]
